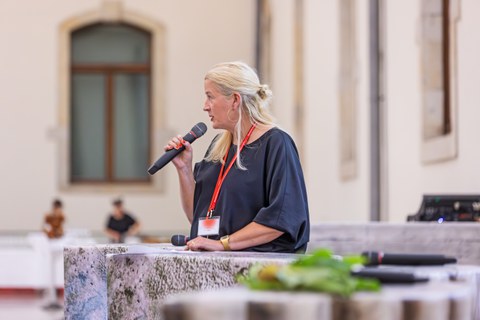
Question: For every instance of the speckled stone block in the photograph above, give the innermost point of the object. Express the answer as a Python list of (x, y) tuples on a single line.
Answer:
[(85, 269), (86, 281), (138, 283), (457, 239)]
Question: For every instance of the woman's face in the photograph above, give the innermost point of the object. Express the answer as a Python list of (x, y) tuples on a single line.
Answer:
[(218, 106)]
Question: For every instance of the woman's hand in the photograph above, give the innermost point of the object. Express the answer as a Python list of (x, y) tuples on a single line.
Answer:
[(204, 244), (184, 159), (253, 234)]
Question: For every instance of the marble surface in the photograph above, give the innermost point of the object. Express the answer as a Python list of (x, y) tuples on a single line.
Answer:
[(138, 283), (86, 280), (85, 271), (457, 239)]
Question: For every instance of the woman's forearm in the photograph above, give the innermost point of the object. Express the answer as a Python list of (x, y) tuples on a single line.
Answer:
[(187, 187), (252, 235)]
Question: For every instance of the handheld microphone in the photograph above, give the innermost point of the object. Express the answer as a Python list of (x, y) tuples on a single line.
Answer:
[(393, 275), (179, 240), (407, 259), (197, 131)]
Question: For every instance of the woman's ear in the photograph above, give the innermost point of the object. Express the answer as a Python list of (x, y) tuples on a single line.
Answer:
[(237, 101)]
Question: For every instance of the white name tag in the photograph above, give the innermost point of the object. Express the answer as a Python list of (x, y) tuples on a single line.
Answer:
[(208, 227)]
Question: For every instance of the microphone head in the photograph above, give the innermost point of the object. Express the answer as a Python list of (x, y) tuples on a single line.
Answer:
[(199, 129), (179, 240)]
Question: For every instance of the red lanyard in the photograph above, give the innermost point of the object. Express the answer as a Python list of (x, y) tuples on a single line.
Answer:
[(222, 175)]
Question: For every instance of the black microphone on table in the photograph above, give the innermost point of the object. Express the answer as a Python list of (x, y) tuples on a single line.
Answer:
[(197, 131), (406, 259), (179, 240)]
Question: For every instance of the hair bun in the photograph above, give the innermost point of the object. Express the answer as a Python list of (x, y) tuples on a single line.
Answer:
[(263, 91)]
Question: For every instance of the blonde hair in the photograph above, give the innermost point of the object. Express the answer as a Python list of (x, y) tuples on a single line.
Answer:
[(238, 77)]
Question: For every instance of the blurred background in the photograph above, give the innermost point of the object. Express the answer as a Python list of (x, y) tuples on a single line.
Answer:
[(381, 97), (382, 109)]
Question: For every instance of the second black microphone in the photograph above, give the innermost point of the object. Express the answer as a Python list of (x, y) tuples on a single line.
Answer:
[(179, 240), (407, 259)]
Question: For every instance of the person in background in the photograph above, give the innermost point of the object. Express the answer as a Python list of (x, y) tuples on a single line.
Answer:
[(53, 221), (248, 193), (120, 224), (52, 250)]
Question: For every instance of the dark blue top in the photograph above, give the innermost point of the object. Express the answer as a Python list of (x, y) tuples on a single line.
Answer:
[(270, 192)]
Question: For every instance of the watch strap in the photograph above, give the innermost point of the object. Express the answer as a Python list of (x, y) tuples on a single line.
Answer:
[(225, 240)]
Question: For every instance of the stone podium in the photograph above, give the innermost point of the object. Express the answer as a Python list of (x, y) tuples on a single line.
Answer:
[(132, 281)]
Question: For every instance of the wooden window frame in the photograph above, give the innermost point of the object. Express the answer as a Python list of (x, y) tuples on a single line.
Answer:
[(111, 12), (109, 71)]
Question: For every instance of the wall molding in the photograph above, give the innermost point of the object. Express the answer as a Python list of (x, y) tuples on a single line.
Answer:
[(437, 146), (110, 12)]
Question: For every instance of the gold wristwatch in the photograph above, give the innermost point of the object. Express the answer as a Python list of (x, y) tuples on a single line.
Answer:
[(225, 241)]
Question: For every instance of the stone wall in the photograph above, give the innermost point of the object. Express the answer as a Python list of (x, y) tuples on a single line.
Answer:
[(130, 281), (460, 240)]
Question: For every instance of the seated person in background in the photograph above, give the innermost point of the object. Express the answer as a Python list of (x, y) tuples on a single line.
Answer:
[(53, 221), (120, 223)]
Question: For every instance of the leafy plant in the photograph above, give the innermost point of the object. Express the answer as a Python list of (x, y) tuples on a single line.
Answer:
[(319, 272)]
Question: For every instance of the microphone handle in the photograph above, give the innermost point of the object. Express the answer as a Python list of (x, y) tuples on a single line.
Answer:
[(170, 154), (406, 259), (417, 259)]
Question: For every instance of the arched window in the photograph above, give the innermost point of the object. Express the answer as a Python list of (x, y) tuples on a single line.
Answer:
[(110, 104)]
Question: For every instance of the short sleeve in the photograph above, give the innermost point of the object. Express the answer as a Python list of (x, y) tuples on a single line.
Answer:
[(287, 208), (130, 220), (109, 222)]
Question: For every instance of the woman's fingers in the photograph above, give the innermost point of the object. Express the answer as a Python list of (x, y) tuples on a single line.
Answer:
[(175, 143), (191, 245)]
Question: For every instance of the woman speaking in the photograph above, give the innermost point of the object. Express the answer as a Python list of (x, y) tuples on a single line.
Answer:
[(248, 193)]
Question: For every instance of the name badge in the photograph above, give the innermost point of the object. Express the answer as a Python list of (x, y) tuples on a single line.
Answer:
[(208, 227)]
